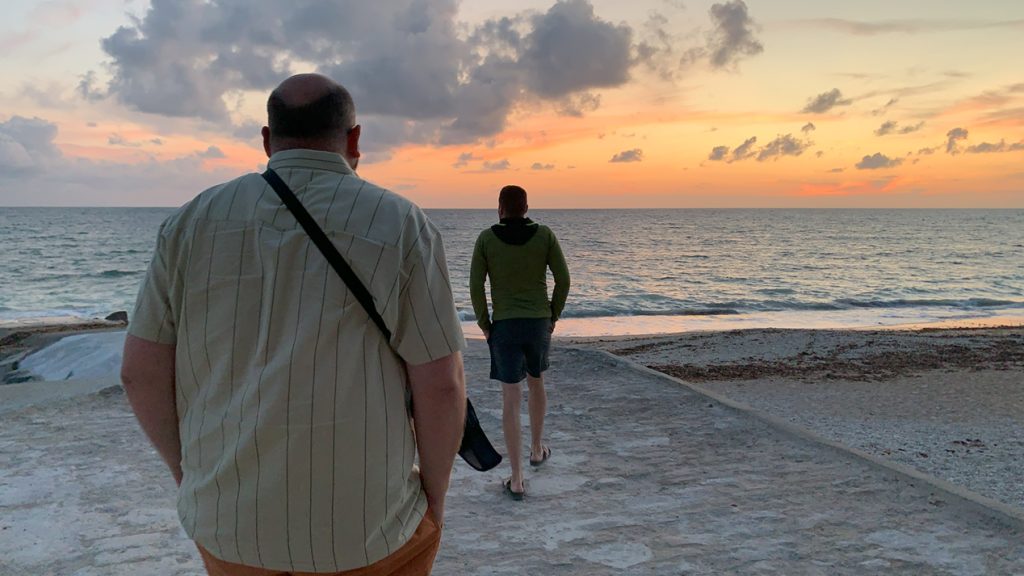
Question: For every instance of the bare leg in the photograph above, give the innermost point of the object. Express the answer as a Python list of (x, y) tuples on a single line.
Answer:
[(538, 399), (512, 395)]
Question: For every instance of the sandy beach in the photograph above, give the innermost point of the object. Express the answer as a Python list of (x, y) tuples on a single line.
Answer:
[(648, 476), (948, 402)]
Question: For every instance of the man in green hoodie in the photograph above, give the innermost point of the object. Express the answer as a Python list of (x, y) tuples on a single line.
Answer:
[(516, 254)]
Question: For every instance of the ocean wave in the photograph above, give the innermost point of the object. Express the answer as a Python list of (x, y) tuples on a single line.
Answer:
[(928, 303), (118, 273), (594, 310), (787, 305), (467, 316)]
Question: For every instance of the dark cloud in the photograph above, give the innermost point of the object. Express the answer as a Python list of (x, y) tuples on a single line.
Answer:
[(989, 147), (826, 101), (912, 128), (878, 161), (730, 40), (745, 150), (417, 73), (837, 170), (886, 128), (464, 159), (497, 166), (539, 166), (718, 153), (952, 138), (892, 127), (918, 26), (783, 146), (927, 151), (809, 127), (87, 87), (634, 155), (571, 49)]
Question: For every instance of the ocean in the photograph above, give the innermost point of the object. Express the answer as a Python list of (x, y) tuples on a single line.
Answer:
[(634, 271)]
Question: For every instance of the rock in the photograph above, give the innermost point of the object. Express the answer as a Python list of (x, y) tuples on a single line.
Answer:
[(19, 376), (120, 316)]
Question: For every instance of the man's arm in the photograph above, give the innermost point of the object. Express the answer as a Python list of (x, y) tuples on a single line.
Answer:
[(439, 416), (147, 374), (560, 272), (477, 276)]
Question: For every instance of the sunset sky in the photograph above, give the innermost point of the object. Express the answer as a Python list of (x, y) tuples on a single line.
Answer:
[(585, 103)]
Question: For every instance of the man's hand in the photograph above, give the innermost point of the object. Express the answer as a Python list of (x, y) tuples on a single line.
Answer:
[(487, 333), (439, 416), (552, 328)]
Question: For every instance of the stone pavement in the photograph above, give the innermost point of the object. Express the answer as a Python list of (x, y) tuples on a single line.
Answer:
[(647, 477)]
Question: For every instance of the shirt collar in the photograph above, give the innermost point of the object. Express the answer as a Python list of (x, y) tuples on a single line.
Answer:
[(309, 159)]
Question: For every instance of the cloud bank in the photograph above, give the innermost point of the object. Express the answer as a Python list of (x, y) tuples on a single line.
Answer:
[(33, 172), (418, 75)]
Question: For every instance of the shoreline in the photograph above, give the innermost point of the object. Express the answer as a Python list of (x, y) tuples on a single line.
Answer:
[(31, 335)]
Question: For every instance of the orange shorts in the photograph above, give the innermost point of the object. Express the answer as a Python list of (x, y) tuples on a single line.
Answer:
[(415, 558)]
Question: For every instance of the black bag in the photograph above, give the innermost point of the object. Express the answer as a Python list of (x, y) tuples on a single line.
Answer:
[(476, 449)]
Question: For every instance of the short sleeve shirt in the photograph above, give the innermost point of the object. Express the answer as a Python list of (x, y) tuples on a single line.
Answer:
[(297, 449)]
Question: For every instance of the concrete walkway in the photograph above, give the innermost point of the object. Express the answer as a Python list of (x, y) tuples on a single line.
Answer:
[(646, 478)]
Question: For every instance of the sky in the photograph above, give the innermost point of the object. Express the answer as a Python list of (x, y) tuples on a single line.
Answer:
[(585, 103)]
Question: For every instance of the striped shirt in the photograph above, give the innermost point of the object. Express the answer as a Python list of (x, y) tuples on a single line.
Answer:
[(297, 449)]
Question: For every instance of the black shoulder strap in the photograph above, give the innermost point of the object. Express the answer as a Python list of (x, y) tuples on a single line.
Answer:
[(327, 249)]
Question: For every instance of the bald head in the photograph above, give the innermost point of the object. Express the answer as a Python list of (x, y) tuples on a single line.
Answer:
[(310, 111)]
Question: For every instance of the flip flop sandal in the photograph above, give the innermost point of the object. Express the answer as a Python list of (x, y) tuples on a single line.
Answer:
[(517, 496), (545, 454)]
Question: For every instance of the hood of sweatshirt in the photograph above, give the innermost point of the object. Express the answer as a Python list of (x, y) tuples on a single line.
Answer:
[(515, 231)]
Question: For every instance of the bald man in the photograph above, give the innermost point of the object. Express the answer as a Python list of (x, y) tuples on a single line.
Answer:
[(281, 410)]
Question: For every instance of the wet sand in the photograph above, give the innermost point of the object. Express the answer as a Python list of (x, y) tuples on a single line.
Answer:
[(647, 477)]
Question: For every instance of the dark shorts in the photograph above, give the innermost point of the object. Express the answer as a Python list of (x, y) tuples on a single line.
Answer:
[(519, 346)]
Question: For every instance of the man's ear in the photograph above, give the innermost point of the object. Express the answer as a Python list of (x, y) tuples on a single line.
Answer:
[(266, 140), (352, 141)]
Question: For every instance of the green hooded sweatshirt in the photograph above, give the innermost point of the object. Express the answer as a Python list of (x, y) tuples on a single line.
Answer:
[(516, 254)]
